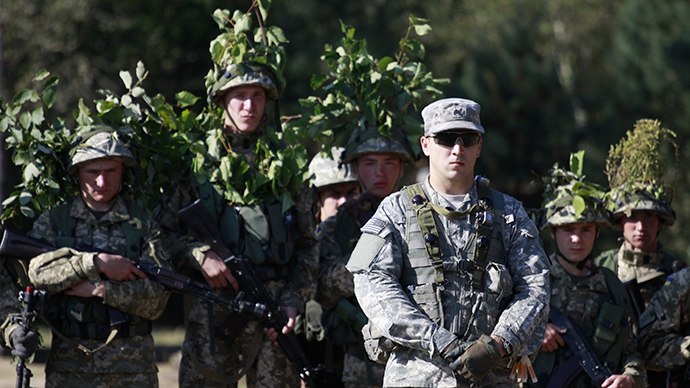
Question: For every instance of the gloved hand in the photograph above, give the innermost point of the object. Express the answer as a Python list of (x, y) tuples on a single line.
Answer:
[(479, 358), (24, 342), (453, 352)]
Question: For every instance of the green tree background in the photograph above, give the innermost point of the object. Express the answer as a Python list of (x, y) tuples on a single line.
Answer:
[(552, 76)]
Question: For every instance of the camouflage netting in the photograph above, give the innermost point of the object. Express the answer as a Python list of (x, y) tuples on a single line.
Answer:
[(635, 169)]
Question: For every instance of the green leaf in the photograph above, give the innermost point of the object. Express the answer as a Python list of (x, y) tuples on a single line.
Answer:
[(30, 172), (37, 116), (185, 99), (25, 120), (50, 91), (27, 212), (126, 78), (138, 91), (141, 71), (576, 162), (243, 25), (221, 17), (579, 205), (41, 75), (264, 6), (422, 29), (24, 96)]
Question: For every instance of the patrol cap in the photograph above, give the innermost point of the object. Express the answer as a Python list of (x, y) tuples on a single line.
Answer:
[(96, 143), (451, 113), (331, 170)]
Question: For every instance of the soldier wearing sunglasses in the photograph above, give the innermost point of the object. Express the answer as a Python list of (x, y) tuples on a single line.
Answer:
[(451, 274)]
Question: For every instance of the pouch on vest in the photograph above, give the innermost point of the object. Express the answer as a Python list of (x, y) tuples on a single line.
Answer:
[(378, 347), (266, 239), (429, 298), (608, 328)]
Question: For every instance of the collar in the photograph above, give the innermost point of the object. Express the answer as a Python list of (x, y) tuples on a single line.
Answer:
[(642, 258)]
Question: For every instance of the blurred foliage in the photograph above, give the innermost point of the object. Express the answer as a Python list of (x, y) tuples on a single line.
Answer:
[(552, 76)]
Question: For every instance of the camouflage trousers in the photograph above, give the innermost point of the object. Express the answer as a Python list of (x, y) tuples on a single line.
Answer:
[(360, 373), (101, 380), (212, 363)]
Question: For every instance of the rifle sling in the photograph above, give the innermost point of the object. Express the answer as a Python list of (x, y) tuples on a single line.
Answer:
[(221, 378), (78, 346)]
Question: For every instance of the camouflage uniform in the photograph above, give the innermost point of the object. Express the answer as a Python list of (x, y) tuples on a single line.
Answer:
[(338, 236), (130, 359), (584, 301), (83, 352), (664, 335), (219, 348), (9, 306), (516, 309)]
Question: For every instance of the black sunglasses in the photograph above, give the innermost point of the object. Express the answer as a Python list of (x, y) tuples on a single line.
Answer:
[(450, 139)]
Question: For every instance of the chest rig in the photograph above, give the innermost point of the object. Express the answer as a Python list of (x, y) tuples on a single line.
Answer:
[(485, 241)]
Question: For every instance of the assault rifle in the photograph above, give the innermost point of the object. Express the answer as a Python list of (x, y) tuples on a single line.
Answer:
[(16, 245), (200, 223), (637, 302), (582, 357), (33, 302)]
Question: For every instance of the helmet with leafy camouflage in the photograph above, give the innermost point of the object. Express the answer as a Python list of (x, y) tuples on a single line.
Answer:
[(99, 142), (635, 171), (371, 141), (330, 170), (569, 199), (246, 73)]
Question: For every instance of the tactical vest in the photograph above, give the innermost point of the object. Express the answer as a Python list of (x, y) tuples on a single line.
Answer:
[(260, 233), (424, 267), (610, 333), (89, 318)]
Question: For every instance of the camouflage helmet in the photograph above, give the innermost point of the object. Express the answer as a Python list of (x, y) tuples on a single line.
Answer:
[(636, 167), (625, 201), (569, 199), (562, 212), (331, 170), (371, 141), (234, 75), (99, 142)]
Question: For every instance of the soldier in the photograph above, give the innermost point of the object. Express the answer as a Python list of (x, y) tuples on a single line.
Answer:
[(641, 210), (102, 305), (592, 297), (221, 348), (377, 162), (335, 182), (664, 330), (452, 275)]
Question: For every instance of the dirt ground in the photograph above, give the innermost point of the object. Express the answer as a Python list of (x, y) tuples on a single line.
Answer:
[(168, 343)]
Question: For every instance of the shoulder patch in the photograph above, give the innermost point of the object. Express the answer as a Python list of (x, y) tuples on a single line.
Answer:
[(366, 250), (374, 226)]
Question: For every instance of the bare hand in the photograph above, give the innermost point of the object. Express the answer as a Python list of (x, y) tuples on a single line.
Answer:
[(291, 314), (216, 272), (86, 289), (117, 267), (618, 381), (552, 338)]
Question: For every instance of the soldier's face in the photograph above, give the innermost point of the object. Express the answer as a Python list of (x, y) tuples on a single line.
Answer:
[(640, 230), (244, 108), (99, 183), (331, 197), (379, 173), (451, 167), (575, 241)]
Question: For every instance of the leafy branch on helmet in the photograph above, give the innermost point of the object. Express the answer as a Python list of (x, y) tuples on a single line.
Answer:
[(563, 188), (362, 91), (238, 43), (42, 149), (636, 163), (277, 166)]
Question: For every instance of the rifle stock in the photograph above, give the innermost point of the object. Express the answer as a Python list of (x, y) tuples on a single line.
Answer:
[(582, 352), (201, 224)]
